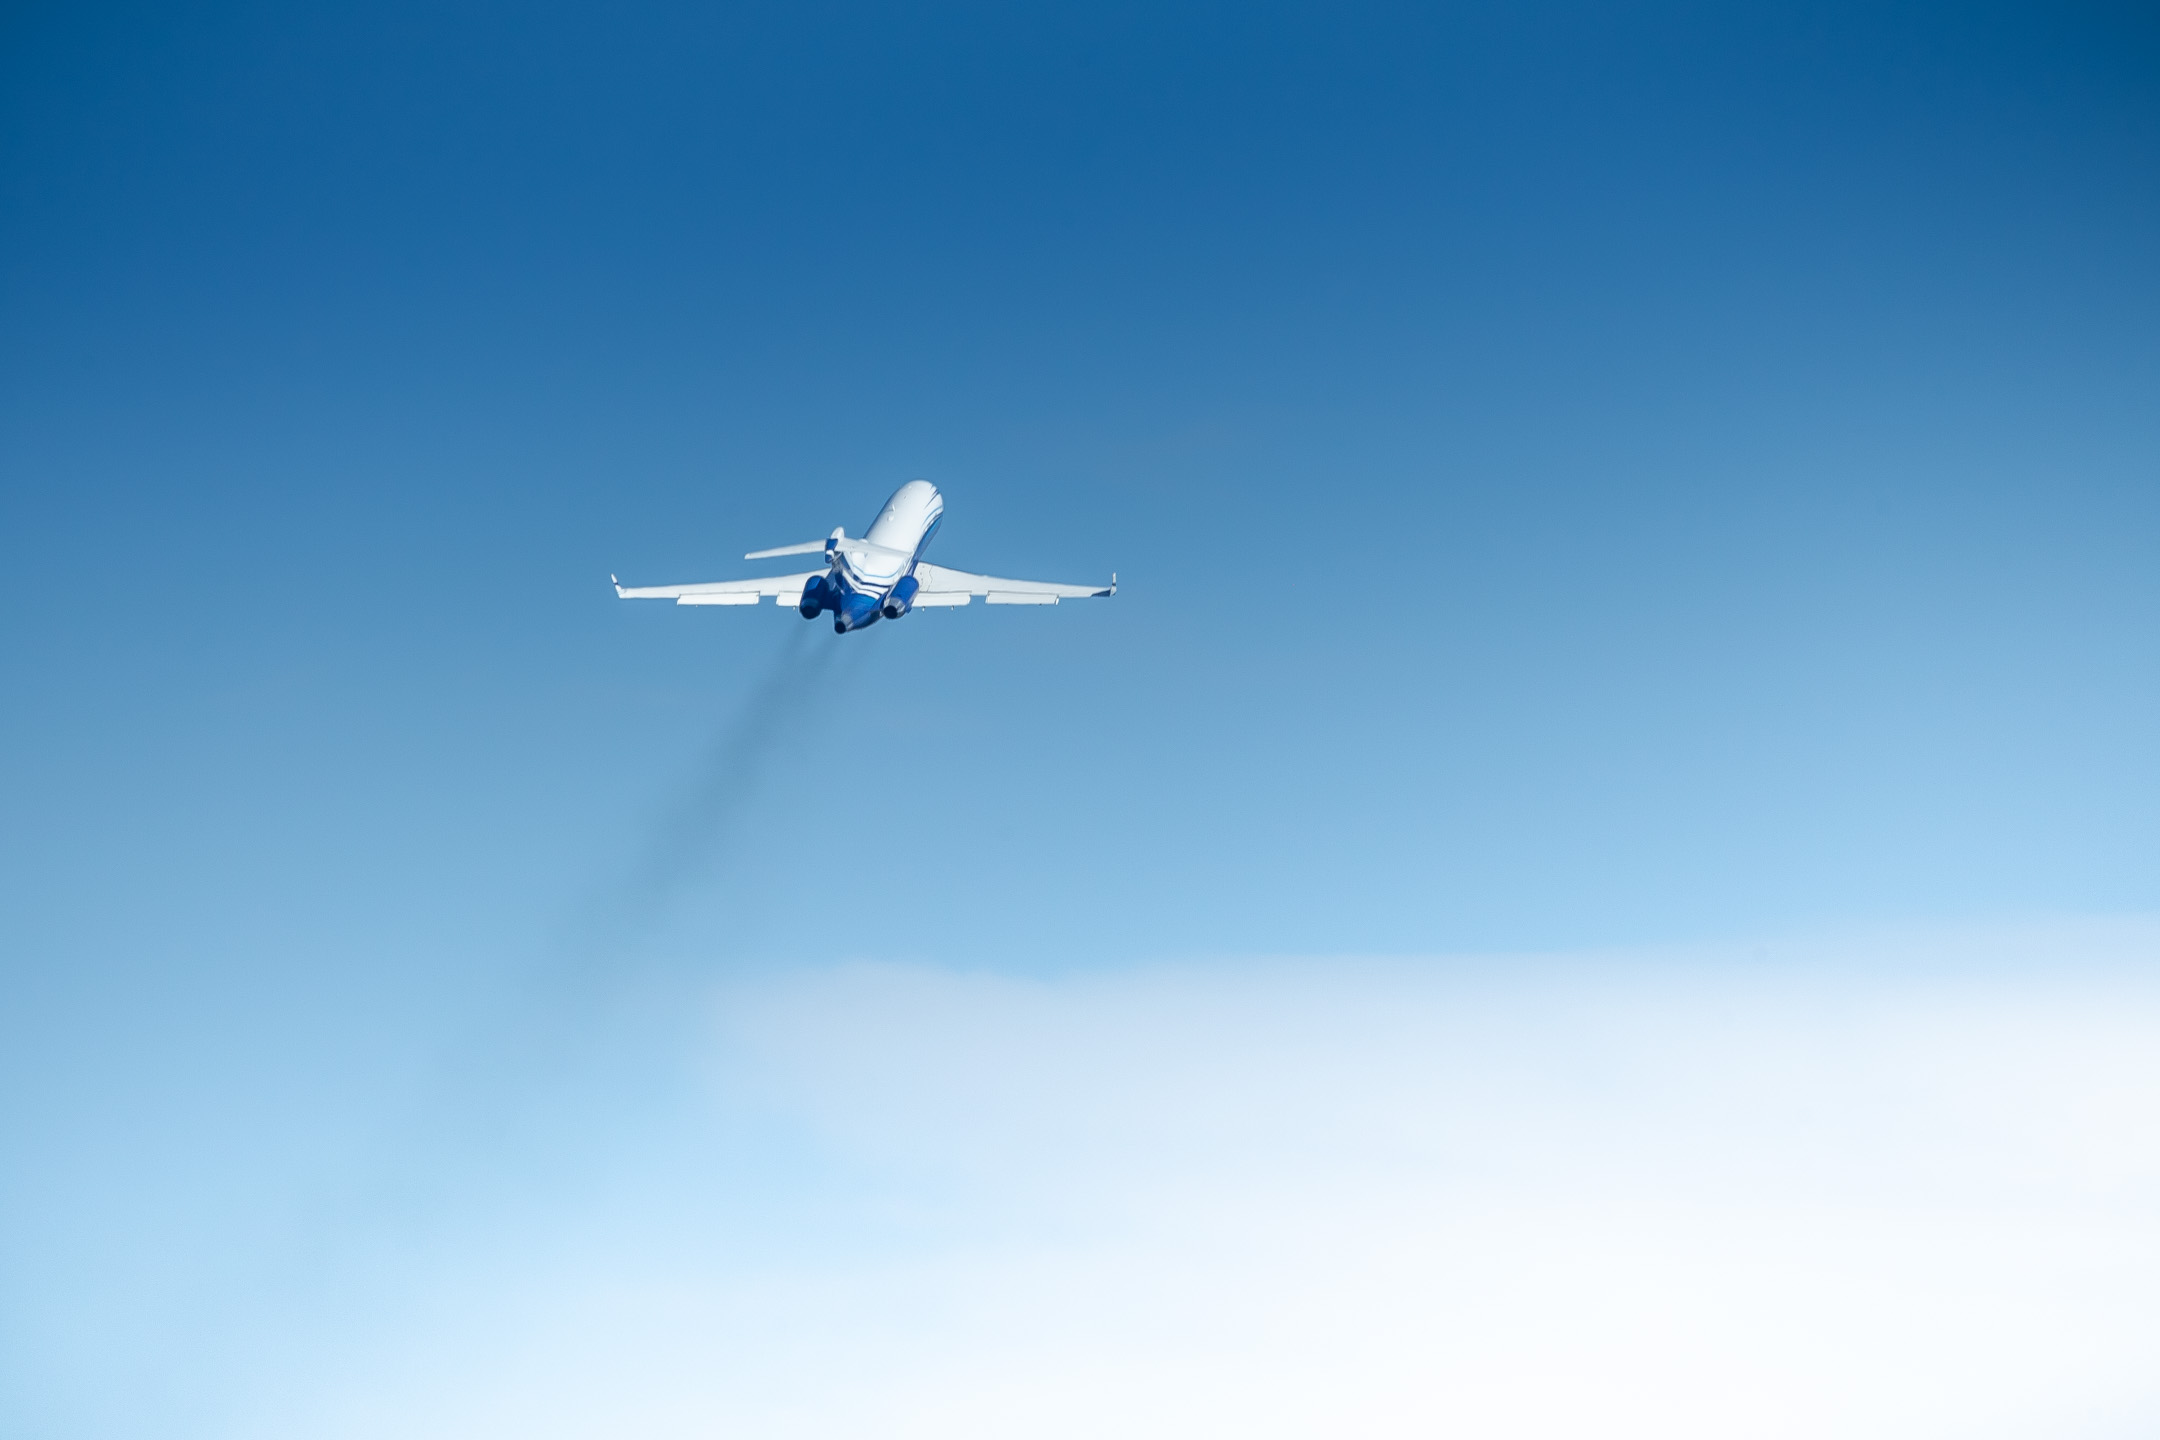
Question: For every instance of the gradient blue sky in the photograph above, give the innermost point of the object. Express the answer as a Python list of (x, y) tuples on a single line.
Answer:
[(1581, 477)]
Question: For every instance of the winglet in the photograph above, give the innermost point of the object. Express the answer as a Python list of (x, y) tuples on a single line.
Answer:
[(1113, 582), (617, 584)]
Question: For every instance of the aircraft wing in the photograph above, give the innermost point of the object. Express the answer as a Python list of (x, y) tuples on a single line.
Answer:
[(941, 586), (786, 588)]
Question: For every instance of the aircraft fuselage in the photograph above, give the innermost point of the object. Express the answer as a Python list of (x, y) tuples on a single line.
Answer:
[(862, 587)]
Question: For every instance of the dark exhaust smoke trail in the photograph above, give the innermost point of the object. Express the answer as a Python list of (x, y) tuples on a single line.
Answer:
[(687, 840), (566, 1014), (534, 1091)]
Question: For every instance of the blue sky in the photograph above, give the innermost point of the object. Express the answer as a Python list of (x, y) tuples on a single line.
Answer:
[(1583, 480)]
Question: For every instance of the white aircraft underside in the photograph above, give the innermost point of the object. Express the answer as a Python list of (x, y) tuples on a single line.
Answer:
[(880, 576)]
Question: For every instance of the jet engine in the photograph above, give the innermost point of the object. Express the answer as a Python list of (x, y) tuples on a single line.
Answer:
[(816, 599), (902, 598)]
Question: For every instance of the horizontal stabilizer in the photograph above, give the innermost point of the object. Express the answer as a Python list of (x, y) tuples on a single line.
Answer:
[(836, 541)]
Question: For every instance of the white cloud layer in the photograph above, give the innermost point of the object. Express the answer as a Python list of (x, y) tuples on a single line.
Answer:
[(1901, 1190)]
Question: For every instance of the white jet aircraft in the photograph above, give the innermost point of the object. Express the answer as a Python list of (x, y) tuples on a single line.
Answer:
[(881, 575)]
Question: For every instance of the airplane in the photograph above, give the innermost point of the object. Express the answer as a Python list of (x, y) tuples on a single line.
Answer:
[(881, 576)]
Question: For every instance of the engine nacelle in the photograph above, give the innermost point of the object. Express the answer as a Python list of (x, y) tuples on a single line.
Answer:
[(902, 598), (817, 598)]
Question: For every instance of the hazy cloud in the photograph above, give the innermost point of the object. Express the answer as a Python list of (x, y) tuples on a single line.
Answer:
[(1901, 1188)]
